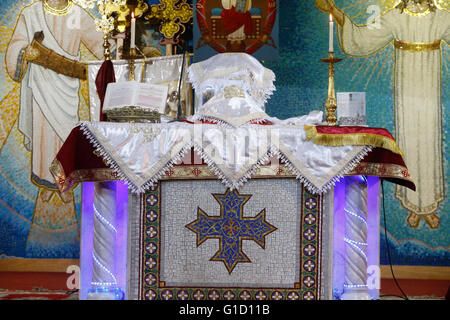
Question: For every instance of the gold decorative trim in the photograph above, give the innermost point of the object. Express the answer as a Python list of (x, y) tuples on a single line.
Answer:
[(205, 172), (133, 114), (58, 12), (233, 91), (382, 170), (417, 46), (66, 183), (358, 139), (417, 14)]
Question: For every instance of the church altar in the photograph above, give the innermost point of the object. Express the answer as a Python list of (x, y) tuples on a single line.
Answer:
[(167, 207)]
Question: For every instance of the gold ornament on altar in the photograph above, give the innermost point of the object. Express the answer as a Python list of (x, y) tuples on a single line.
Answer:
[(233, 91), (133, 114), (122, 11), (105, 24), (172, 15)]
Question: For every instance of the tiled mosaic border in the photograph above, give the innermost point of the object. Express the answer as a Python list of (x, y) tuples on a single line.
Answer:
[(308, 287)]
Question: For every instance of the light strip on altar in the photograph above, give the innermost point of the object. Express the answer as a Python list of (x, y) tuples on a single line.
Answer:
[(373, 233), (353, 244), (106, 270), (86, 235), (356, 244), (99, 215), (103, 284), (355, 285), (355, 215)]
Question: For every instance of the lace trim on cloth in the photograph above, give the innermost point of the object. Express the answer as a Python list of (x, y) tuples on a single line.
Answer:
[(261, 90), (229, 122), (136, 182), (234, 66), (141, 160)]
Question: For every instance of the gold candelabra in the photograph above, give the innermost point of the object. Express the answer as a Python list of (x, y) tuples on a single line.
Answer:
[(331, 102)]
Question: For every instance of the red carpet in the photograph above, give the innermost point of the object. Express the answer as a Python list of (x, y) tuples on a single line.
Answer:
[(36, 295), (416, 287), (52, 286), (35, 286)]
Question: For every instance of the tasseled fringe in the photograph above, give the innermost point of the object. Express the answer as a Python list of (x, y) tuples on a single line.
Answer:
[(312, 188), (215, 169), (253, 168), (107, 157), (229, 183), (177, 158), (117, 170), (361, 139), (223, 123), (199, 117)]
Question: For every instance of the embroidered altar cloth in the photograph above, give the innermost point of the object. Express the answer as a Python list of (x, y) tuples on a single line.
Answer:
[(141, 154)]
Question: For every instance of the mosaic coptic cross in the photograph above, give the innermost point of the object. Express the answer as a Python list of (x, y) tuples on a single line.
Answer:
[(231, 228)]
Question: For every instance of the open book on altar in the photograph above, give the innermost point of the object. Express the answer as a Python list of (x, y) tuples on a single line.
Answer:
[(132, 93)]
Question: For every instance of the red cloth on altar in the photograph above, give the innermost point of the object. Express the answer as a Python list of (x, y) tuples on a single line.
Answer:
[(353, 130), (77, 162), (105, 75)]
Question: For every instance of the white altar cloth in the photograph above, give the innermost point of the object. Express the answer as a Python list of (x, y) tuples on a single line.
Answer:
[(141, 153)]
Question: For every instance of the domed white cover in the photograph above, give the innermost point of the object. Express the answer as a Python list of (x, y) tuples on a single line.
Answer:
[(233, 66), (240, 73)]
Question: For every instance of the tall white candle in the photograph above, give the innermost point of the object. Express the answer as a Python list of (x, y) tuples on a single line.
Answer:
[(133, 31), (331, 47)]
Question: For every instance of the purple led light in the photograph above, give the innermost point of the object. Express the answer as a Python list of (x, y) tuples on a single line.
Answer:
[(87, 232), (373, 232)]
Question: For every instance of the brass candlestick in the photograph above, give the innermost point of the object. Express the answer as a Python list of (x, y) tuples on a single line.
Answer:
[(132, 56), (331, 103)]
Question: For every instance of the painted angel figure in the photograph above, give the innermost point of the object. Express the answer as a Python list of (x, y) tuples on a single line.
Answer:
[(237, 20), (49, 100), (417, 29)]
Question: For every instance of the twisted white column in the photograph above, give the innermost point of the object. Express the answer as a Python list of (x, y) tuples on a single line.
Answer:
[(104, 281), (355, 285)]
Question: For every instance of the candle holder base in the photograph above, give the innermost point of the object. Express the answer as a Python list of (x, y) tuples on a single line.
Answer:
[(132, 56)]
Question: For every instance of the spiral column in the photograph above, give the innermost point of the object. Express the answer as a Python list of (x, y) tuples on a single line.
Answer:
[(104, 282), (355, 285)]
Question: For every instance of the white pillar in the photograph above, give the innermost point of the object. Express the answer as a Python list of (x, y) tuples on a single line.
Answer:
[(104, 282), (355, 285)]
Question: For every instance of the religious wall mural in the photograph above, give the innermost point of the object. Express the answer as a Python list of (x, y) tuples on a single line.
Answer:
[(39, 108), (416, 29), (406, 89), (249, 26), (406, 92)]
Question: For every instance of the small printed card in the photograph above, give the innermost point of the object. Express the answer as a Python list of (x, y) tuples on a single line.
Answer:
[(351, 108)]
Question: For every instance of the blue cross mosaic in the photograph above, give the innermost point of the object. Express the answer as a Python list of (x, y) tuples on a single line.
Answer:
[(231, 228)]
